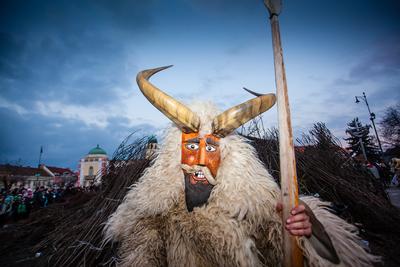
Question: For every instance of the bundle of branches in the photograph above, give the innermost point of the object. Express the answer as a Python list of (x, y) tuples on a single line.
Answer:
[(325, 169), (77, 241)]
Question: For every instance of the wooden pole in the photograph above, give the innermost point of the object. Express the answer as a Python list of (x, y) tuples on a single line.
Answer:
[(292, 255)]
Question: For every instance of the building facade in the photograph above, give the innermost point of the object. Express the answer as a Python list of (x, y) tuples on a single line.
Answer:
[(92, 167), (16, 176)]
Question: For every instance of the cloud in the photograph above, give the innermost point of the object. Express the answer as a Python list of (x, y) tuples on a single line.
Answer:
[(64, 141), (49, 70), (381, 62), (64, 70), (90, 116), (72, 51), (12, 106), (129, 15), (376, 73), (215, 80), (214, 7)]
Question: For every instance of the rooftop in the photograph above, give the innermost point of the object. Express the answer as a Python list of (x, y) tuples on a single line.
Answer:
[(97, 151)]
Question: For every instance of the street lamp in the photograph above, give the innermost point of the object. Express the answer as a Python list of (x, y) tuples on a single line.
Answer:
[(371, 116)]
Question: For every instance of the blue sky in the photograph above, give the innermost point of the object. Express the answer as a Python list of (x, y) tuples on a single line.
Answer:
[(67, 68)]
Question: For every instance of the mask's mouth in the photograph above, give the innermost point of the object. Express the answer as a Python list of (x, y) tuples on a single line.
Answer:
[(199, 174), (198, 177), (198, 185)]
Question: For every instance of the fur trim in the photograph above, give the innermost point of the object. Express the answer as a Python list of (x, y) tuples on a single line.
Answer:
[(238, 227), (155, 192), (344, 238)]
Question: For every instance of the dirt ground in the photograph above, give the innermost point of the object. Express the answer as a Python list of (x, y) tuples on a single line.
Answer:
[(18, 239)]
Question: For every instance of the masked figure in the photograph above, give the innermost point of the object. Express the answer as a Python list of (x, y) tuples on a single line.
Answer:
[(207, 200)]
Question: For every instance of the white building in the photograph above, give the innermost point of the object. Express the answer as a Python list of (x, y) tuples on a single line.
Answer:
[(92, 167)]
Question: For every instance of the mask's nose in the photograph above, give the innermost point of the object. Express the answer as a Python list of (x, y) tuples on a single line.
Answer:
[(202, 156)]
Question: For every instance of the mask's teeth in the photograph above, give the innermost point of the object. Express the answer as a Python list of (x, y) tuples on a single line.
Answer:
[(199, 174)]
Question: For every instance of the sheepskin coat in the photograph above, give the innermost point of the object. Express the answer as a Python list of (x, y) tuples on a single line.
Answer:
[(239, 225)]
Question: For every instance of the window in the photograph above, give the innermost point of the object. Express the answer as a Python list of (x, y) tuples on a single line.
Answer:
[(90, 170)]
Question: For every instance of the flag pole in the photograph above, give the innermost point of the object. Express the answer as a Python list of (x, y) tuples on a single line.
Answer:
[(40, 156), (292, 255)]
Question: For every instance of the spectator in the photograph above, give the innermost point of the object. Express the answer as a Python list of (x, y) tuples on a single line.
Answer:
[(395, 168), (372, 168)]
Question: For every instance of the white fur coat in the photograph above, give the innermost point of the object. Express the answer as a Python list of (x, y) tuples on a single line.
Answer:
[(239, 225)]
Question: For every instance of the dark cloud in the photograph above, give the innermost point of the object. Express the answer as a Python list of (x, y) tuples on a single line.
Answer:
[(64, 142), (381, 63), (10, 47), (385, 61), (129, 15), (75, 51), (11, 51), (73, 15), (377, 74), (229, 6), (70, 52), (380, 99)]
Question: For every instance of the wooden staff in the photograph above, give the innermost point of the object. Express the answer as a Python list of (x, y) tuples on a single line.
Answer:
[(292, 255)]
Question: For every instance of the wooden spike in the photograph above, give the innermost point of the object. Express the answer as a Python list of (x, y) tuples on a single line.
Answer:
[(292, 255)]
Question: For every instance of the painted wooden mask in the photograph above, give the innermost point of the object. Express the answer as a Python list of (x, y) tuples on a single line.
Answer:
[(200, 160)]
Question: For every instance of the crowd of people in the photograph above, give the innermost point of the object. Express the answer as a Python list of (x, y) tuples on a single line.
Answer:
[(387, 173), (17, 203), (395, 168)]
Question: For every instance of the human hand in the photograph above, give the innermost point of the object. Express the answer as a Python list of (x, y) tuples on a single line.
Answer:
[(298, 223)]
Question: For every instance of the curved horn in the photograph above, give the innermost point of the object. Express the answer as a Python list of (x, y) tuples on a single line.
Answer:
[(182, 116), (252, 92), (231, 119)]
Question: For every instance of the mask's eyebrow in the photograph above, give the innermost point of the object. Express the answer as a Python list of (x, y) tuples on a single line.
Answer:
[(212, 142), (193, 140)]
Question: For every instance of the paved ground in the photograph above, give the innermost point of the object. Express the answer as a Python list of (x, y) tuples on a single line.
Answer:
[(394, 194)]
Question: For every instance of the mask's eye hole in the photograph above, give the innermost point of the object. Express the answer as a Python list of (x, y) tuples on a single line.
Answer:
[(210, 148), (192, 146)]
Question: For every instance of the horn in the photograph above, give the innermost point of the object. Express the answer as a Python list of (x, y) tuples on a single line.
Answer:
[(182, 116), (252, 92), (231, 119)]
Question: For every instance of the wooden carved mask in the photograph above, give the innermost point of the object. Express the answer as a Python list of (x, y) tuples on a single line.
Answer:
[(200, 160)]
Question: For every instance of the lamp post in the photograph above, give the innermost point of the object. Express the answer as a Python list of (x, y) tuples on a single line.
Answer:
[(371, 117)]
